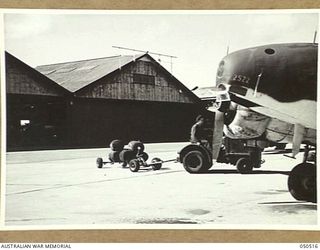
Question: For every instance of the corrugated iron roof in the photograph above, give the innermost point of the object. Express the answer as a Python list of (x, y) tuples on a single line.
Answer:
[(76, 75)]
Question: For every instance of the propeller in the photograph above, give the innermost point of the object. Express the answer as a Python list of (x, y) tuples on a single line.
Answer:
[(217, 134), (225, 111)]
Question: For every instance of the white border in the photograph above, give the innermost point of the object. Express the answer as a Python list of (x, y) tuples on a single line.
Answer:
[(257, 227), (129, 226), (318, 121), (147, 12), (3, 123)]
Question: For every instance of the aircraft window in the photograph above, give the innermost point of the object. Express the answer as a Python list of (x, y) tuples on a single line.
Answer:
[(269, 51)]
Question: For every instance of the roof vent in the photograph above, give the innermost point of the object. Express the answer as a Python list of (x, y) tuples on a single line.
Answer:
[(269, 51)]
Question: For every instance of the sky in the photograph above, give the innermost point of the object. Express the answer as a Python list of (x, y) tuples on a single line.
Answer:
[(199, 40)]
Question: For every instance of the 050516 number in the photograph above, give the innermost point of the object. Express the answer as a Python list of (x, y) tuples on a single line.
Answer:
[(241, 78), (308, 245)]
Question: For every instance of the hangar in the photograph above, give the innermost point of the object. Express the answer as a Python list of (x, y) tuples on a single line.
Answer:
[(31, 100), (124, 97)]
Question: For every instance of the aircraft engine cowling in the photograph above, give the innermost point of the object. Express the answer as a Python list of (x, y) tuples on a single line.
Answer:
[(224, 104), (230, 113), (246, 124)]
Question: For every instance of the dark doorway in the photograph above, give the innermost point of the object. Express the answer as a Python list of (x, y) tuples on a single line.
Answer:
[(35, 122)]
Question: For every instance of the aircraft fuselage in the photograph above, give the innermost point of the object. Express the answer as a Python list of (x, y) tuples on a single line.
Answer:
[(278, 86)]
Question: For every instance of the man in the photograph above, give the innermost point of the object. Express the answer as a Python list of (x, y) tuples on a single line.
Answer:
[(199, 132)]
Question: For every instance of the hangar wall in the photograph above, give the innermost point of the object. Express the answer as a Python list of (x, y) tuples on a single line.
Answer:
[(35, 122), (142, 80), (35, 108), (24, 80), (96, 122), (139, 101)]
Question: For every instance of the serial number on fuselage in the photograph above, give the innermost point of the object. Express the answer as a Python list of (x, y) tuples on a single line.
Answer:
[(241, 78)]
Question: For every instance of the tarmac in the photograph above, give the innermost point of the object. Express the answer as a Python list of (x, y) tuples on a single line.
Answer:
[(64, 188)]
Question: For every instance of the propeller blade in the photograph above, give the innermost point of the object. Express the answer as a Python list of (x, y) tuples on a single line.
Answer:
[(217, 134)]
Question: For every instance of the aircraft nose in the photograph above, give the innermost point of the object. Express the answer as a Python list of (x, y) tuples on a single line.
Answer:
[(237, 68)]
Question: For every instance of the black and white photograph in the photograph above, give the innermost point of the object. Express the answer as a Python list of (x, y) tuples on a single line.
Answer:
[(159, 119)]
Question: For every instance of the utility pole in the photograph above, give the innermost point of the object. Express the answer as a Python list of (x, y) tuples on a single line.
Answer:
[(315, 37)]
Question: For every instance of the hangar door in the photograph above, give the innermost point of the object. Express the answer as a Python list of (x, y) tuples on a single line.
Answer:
[(35, 122)]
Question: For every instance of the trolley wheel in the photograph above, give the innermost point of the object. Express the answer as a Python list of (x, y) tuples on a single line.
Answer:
[(195, 162), (302, 182), (158, 165), (116, 145), (114, 156), (134, 165), (144, 156), (126, 155), (99, 162), (244, 166), (136, 146)]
